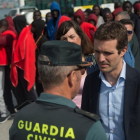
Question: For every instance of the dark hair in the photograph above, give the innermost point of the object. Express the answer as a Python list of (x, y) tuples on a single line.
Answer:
[(117, 5), (126, 2), (89, 11), (127, 21), (96, 6), (87, 47), (106, 10), (37, 11), (113, 30)]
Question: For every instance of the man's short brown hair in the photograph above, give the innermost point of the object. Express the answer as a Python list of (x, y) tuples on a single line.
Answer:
[(111, 31)]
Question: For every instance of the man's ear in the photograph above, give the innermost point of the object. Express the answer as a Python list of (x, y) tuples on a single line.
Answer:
[(123, 51), (71, 79)]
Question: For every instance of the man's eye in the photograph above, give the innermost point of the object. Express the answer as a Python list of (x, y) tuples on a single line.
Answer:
[(96, 51), (107, 53), (63, 39), (72, 36)]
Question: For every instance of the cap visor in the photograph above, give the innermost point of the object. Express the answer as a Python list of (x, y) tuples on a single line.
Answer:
[(84, 64)]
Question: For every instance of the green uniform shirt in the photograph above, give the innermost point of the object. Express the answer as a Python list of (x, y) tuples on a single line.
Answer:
[(54, 117)]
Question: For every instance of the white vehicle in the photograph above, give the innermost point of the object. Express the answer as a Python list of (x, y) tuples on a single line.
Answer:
[(22, 11)]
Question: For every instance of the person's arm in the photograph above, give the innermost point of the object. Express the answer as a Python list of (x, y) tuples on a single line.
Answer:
[(96, 132), (5, 40)]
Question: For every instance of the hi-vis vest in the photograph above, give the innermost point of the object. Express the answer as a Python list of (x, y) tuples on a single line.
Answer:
[(47, 121), (3, 54)]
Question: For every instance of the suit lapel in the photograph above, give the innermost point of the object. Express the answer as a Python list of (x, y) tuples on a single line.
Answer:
[(129, 95), (94, 99)]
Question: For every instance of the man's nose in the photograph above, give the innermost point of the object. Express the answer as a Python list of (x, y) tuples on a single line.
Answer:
[(69, 39), (101, 57)]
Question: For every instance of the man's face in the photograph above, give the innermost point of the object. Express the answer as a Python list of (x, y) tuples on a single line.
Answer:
[(48, 17), (96, 11), (128, 8), (107, 17), (77, 80), (55, 14), (107, 57), (37, 16), (118, 18), (129, 31), (77, 20)]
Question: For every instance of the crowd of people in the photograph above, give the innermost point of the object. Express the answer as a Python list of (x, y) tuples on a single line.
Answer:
[(92, 58)]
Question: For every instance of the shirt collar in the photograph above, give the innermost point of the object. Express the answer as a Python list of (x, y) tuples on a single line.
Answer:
[(46, 97), (122, 74)]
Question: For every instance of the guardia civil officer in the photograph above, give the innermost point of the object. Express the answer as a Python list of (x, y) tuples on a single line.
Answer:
[(54, 116)]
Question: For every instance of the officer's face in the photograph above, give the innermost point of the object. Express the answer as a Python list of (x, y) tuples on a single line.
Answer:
[(77, 79)]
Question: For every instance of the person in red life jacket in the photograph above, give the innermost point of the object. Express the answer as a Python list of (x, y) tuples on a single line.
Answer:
[(8, 88), (23, 68), (63, 19), (37, 28), (92, 19), (88, 28), (137, 9), (6, 40), (21, 89)]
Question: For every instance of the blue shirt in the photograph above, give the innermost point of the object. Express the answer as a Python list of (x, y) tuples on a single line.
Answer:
[(111, 102), (128, 57)]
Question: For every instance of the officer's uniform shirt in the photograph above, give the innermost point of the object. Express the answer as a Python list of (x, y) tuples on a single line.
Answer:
[(54, 117)]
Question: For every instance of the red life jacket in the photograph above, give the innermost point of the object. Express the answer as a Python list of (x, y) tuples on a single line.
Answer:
[(24, 58), (3, 54), (86, 27)]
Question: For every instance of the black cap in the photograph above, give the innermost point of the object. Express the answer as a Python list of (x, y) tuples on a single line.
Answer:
[(62, 53)]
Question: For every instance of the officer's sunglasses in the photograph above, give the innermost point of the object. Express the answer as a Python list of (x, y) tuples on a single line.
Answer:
[(82, 69), (129, 32)]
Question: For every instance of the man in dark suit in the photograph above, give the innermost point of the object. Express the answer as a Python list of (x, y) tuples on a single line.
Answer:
[(113, 92)]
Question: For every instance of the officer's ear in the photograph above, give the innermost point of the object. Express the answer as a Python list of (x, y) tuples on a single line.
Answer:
[(71, 78)]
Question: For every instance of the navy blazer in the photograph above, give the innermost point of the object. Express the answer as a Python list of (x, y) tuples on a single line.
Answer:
[(90, 100)]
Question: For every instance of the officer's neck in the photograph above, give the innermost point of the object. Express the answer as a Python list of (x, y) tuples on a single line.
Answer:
[(59, 91)]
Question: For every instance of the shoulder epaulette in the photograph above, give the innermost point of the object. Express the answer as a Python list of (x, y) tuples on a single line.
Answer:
[(87, 114)]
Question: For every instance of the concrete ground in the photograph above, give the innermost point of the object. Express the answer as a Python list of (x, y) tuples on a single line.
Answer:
[(4, 129)]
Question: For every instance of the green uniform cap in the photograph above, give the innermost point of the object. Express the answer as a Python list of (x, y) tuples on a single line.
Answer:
[(62, 53)]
